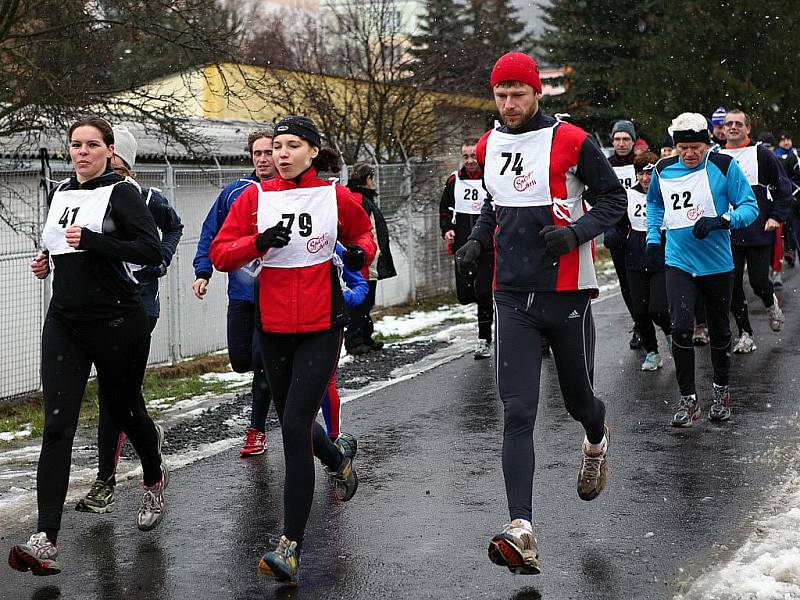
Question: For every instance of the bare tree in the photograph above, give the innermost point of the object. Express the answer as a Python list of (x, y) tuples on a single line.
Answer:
[(350, 72)]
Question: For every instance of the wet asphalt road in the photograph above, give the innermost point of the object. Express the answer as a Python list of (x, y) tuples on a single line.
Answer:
[(431, 493)]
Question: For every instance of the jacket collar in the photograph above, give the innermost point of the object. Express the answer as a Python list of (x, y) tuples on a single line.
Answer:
[(462, 174), (107, 178)]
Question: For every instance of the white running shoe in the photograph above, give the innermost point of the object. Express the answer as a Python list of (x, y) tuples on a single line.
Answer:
[(745, 344), (482, 350), (39, 555), (652, 362), (515, 547), (775, 315)]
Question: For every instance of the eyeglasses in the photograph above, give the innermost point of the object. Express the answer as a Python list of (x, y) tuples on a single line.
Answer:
[(734, 123)]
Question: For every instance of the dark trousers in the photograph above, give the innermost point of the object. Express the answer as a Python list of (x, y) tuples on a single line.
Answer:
[(245, 355), (360, 328), (476, 286), (118, 348), (522, 319), (298, 368), (618, 258), (682, 291), (649, 302), (109, 437), (758, 259)]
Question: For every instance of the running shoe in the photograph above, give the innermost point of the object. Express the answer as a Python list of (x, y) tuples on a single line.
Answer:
[(775, 315), (745, 344), (789, 258), (687, 412), (374, 345), (700, 337), (777, 279), (345, 480), (151, 509), (347, 445), (39, 556), (721, 407), (283, 563), (254, 442), (482, 350), (100, 499), (594, 468), (359, 350), (516, 548), (636, 340), (652, 362)]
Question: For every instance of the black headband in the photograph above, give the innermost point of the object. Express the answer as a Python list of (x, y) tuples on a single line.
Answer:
[(302, 127), (689, 136)]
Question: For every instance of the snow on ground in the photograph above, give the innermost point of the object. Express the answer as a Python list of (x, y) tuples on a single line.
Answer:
[(767, 566), (229, 377), (418, 320)]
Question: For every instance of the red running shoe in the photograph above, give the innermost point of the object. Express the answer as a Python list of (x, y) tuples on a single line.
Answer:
[(254, 442)]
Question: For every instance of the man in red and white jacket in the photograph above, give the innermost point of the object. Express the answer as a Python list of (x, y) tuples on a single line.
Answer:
[(542, 175)]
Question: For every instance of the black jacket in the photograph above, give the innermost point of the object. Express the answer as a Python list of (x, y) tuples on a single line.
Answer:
[(384, 264), (94, 284), (463, 222)]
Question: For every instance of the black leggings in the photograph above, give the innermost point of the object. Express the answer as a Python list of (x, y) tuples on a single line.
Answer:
[(109, 436), (649, 302), (566, 319), (476, 286), (618, 258), (118, 348), (299, 367), (682, 291), (759, 259), (360, 328), (245, 355)]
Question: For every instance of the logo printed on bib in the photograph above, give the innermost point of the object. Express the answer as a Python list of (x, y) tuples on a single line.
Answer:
[(694, 213), (316, 244), (523, 182)]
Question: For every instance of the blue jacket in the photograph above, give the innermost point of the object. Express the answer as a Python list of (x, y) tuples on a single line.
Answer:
[(729, 187), (171, 229), (241, 286), (355, 288)]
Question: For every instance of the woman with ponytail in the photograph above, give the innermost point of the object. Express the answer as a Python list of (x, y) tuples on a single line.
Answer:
[(288, 227)]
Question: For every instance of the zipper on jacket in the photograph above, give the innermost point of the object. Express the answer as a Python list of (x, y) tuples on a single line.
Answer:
[(530, 301)]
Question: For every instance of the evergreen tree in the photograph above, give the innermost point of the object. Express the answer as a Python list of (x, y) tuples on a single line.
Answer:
[(439, 50), (495, 29)]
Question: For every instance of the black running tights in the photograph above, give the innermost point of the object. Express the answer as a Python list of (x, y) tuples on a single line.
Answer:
[(298, 368), (648, 291), (118, 348), (522, 319), (758, 259), (682, 291)]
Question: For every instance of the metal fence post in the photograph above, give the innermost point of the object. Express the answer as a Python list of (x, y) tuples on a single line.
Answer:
[(174, 276)]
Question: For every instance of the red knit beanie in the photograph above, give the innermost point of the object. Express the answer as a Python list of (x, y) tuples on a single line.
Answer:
[(516, 66)]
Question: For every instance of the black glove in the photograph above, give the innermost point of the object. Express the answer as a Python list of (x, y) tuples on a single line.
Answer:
[(559, 240), (467, 255), (354, 257), (652, 255), (276, 236), (706, 225), (149, 274)]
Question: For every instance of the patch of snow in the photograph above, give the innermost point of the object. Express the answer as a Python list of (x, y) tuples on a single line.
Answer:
[(419, 320), (231, 377)]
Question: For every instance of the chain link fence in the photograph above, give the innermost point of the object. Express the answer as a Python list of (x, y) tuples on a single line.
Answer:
[(409, 199)]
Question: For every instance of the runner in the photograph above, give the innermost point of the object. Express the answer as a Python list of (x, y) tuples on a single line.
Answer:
[(96, 223), (753, 245), (647, 280), (718, 128), (289, 224), (100, 498), (242, 337), (358, 335), (459, 208), (623, 134), (355, 289), (690, 195), (536, 170)]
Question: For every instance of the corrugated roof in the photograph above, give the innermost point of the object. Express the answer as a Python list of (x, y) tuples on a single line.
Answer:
[(221, 139)]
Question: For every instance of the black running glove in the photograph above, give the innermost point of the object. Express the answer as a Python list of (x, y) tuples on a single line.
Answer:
[(354, 257), (652, 255), (150, 274), (706, 225), (467, 255), (276, 236), (559, 240)]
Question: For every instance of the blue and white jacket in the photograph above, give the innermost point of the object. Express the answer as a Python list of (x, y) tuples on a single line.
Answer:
[(729, 188), (354, 287), (241, 286)]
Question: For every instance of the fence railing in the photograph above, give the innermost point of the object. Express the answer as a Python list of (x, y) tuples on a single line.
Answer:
[(408, 194)]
